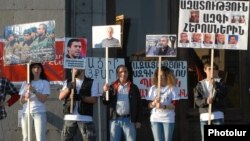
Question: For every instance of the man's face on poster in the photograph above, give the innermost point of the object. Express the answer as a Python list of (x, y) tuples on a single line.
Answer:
[(40, 30), (232, 40), (26, 37), (75, 50), (110, 32), (196, 37), (220, 38), (11, 37), (207, 38), (163, 41), (184, 38)]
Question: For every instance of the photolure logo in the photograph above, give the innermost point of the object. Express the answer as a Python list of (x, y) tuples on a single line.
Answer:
[(213, 132)]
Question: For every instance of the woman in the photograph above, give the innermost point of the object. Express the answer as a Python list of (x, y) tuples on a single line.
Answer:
[(37, 92), (163, 105)]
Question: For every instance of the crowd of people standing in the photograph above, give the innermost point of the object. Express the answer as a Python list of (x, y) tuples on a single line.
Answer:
[(123, 102)]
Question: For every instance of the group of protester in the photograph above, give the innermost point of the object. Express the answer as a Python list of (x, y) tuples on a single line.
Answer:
[(123, 103)]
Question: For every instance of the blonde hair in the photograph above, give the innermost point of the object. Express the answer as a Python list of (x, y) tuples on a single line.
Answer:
[(169, 76)]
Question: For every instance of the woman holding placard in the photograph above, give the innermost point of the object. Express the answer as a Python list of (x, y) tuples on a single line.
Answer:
[(36, 92), (163, 102)]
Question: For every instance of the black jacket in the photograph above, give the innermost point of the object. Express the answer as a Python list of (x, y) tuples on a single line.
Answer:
[(201, 96), (85, 91), (134, 102)]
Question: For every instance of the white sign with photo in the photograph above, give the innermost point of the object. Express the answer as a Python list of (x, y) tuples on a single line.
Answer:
[(161, 45), (213, 24), (75, 50), (106, 36)]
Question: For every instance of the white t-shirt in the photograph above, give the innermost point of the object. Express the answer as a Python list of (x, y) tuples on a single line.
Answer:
[(75, 116), (214, 115), (36, 106), (122, 104), (167, 95)]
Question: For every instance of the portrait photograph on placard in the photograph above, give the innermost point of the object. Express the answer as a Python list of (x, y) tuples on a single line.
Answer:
[(75, 51), (161, 45), (31, 42), (106, 36)]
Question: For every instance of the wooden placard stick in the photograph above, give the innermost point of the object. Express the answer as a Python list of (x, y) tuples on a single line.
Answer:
[(72, 92), (159, 79), (211, 90), (28, 101), (107, 70)]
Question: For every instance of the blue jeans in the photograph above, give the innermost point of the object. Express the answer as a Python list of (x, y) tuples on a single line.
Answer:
[(87, 130), (122, 124), (213, 122), (39, 120), (162, 131)]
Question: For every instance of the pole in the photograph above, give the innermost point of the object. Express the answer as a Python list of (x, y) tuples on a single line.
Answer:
[(107, 70), (211, 90), (28, 102), (159, 79), (99, 119), (72, 93)]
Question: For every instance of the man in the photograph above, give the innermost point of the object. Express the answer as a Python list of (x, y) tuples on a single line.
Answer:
[(25, 46), (74, 47), (165, 49), (41, 32), (10, 49), (232, 40), (43, 41), (33, 33), (207, 39), (184, 38), (12, 42), (44, 44), (27, 38), (85, 96), (196, 37), (110, 41), (6, 88), (194, 17), (211, 90), (124, 106), (220, 39)]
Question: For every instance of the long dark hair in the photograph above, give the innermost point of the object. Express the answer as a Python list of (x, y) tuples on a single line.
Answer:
[(42, 75)]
